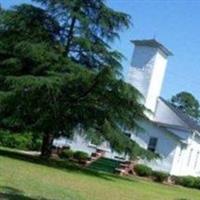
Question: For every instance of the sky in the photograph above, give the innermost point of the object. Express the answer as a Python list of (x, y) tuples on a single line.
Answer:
[(175, 24)]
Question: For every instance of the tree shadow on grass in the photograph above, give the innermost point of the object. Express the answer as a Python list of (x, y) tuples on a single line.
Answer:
[(182, 199), (10, 193), (60, 164)]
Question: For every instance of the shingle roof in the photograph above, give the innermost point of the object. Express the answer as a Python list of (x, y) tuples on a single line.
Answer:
[(190, 122), (166, 126), (153, 43), (174, 126)]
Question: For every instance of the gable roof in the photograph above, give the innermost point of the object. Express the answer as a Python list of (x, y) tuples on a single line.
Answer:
[(174, 126), (171, 132), (191, 123), (153, 43)]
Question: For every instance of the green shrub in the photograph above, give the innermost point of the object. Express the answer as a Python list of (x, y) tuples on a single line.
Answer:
[(197, 183), (23, 141), (159, 176), (187, 181), (67, 153), (35, 144), (143, 170), (80, 155)]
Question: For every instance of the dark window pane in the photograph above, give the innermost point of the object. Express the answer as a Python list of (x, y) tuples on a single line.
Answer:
[(152, 144)]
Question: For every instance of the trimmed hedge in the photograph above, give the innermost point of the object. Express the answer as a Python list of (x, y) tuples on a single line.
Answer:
[(67, 154), (188, 181), (23, 141), (80, 155), (143, 170), (160, 176)]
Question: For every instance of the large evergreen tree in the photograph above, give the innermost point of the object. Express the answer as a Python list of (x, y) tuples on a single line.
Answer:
[(58, 73)]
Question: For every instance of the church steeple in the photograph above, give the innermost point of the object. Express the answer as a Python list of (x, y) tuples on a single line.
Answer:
[(147, 69)]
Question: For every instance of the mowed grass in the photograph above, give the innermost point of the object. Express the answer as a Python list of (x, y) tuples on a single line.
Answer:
[(25, 178)]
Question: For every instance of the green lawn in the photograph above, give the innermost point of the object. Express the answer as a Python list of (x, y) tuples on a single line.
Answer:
[(25, 178)]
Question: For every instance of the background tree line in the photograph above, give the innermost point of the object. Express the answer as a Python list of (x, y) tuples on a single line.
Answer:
[(187, 103)]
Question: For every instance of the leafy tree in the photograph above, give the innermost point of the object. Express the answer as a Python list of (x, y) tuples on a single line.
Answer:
[(58, 74), (87, 28), (186, 102)]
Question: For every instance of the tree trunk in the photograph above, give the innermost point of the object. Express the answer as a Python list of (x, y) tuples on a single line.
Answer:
[(47, 145)]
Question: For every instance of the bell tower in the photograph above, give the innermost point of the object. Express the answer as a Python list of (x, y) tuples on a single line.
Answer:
[(147, 69)]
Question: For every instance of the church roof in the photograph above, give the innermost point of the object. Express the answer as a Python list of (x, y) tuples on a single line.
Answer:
[(174, 126), (190, 122), (166, 126), (153, 43)]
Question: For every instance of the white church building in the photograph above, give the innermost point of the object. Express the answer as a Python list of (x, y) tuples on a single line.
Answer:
[(169, 132)]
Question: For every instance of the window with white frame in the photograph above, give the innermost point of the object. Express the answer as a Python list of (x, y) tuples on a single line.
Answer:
[(152, 144), (189, 157), (180, 154), (196, 159)]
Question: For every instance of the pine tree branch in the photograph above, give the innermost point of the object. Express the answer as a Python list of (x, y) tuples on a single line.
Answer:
[(70, 36)]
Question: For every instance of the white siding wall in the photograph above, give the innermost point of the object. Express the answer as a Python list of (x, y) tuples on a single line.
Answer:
[(147, 73), (156, 81), (143, 56), (176, 157), (187, 159), (80, 143), (166, 146), (165, 115), (142, 63), (140, 79)]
